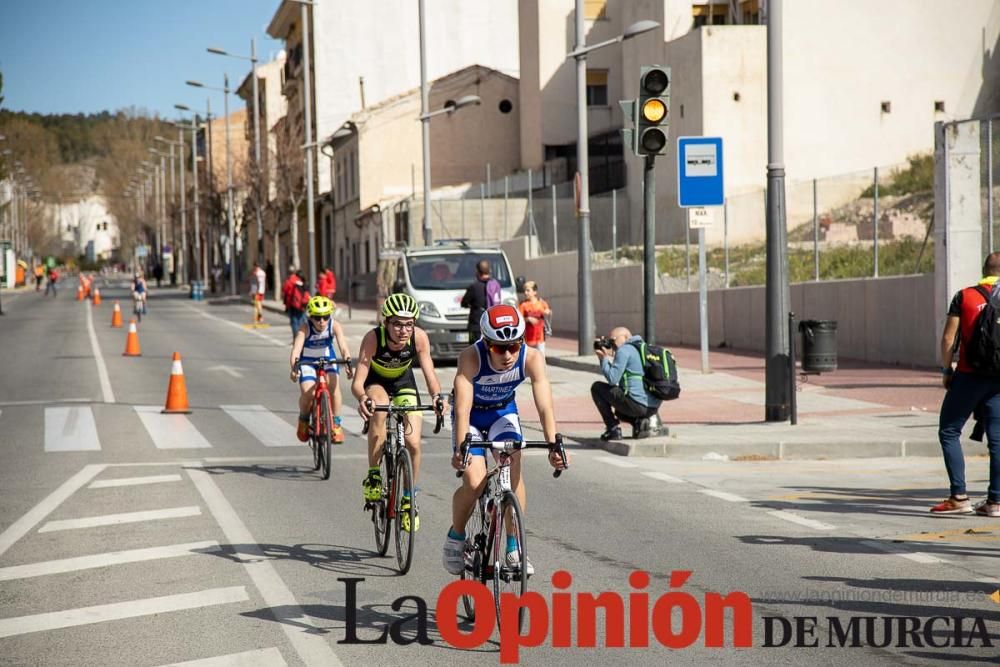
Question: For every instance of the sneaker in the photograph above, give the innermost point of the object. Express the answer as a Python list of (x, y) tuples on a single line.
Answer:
[(372, 485), (514, 561), (986, 508), (951, 505), (338, 434), (302, 432), (642, 429), (453, 555), (404, 516), (613, 433)]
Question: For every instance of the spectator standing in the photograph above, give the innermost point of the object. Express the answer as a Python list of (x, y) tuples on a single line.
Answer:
[(53, 279), (39, 274), (258, 283), (969, 389), (296, 296), (326, 284), (158, 274), (623, 398), (483, 293), (534, 310)]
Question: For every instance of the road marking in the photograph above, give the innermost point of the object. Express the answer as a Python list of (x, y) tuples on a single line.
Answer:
[(664, 477), (615, 462), (102, 370), (265, 459), (265, 657), (308, 643), (103, 560), (34, 516), (124, 517), (71, 430), (20, 625), (47, 401), (133, 481), (916, 556), (722, 495), (239, 327), (269, 428), (235, 371), (352, 423), (801, 520), (170, 431)]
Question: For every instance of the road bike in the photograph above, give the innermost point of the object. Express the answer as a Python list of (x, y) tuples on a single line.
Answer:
[(138, 306), (396, 468), (496, 517), (321, 414)]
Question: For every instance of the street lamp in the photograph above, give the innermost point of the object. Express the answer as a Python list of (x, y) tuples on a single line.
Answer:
[(585, 303), (229, 180), (256, 135), (173, 203), (194, 176), (161, 203)]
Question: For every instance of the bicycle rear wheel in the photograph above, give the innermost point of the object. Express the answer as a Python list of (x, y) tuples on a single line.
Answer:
[(403, 488), (325, 426), (475, 553), (509, 578), (380, 508)]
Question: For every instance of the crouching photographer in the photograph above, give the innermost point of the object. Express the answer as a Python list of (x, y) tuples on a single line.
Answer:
[(623, 398)]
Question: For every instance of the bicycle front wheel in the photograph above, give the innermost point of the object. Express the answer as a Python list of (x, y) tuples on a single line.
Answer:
[(475, 554), (325, 427), (380, 508), (406, 512), (509, 575)]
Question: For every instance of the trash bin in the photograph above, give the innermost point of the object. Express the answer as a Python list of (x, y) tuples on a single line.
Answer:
[(819, 346), (197, 290)]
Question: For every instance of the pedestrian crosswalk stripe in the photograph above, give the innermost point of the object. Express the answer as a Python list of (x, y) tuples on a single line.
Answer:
[(103, 560), (70, 429), (125, 517), (352, 422), (20, 625), (265, 657), (269, 428), (133, 481), (170, 431)]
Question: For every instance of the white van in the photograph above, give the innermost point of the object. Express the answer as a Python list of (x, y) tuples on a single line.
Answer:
[(437, 277)]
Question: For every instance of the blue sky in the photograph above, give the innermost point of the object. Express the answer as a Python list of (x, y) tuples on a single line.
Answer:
[(70, 56)]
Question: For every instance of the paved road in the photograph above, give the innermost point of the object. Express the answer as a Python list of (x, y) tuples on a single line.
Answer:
[(126, 539)]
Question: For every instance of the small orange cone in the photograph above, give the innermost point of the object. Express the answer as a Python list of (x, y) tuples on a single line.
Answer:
[(116, 316), (177, 396), (97, 297), (132, 342), (79, 293)]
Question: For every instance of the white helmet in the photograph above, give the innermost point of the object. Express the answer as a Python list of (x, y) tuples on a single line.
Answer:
[(502, 324)]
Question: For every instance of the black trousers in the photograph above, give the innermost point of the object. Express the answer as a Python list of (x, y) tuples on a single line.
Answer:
[(616, 406)]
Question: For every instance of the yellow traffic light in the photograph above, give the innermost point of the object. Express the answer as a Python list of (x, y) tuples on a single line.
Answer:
[(654, 110)]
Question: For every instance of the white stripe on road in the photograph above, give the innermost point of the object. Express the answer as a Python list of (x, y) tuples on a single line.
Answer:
[(22, 526), (269, 428), (722, 495), (236, 325), (133, 481), (115, 519), (71, 430), (916, 556), (102, 370), (801, 520), (265, 657), (20, 625), (615, 462), (311, 646), (352, 422), (102, 560), (170, 431), (664, 477)]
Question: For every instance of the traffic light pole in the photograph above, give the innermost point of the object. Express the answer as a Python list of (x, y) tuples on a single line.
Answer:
[(649, 250)]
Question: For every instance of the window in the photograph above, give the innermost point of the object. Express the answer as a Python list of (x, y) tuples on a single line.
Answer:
[(939, 106), (595, 10), (886, 107), (750, 12), (709, 14), (597, 87)]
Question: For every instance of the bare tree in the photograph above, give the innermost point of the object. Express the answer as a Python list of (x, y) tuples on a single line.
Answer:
[(289, 168)]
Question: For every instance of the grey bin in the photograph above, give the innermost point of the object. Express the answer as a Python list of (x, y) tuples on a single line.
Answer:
[(819, 346)]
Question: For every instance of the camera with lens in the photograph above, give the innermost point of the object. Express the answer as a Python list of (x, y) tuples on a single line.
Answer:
[(603, 343)]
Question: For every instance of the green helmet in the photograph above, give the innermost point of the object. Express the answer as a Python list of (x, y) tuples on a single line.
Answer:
[(400, 305)]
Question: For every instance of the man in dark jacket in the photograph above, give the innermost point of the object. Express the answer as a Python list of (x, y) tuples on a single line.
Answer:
[(480, 295)]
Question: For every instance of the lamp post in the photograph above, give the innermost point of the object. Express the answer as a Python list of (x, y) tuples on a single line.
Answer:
[(229, 180), (256, 137), (173, 204), (179, 266), (585, 302), (157, 202), (196, 206)]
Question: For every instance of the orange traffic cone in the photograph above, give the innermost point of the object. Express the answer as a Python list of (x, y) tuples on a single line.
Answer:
[(79, 293), (177, 396), (116, 316), (132, 342), (97, 297)]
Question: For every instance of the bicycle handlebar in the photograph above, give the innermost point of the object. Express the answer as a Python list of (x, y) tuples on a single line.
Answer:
[(404, 409), (322, 363), (516, 445)]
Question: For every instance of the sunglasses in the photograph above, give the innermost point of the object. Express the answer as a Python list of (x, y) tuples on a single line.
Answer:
[(395, 324), (319, 318), (500, 348)]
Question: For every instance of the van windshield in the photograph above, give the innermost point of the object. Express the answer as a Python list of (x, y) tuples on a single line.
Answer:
[(454, 271)]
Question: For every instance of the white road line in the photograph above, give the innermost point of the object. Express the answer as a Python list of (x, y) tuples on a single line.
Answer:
[(71, 430), (133, 481), (236, 325), (916, 556), (664, 477), (801, 520), (34, 516), (265, 657), (20, 625), (170, 431), (47, 401), (269, 428), (102, 370), (615, 462), (352, 422), (312, 647), (722, 495), (124, 517), (102, 560)]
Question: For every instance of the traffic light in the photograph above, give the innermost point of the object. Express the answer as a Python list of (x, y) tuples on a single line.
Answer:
[(653, 117)]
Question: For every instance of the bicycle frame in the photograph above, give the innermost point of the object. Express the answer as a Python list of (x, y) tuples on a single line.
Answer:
[(396, 424)]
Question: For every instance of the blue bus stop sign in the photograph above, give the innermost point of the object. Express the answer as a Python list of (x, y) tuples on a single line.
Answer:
[(699, 172)]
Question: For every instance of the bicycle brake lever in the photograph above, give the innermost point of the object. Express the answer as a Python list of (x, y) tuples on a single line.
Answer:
[(438, 424), (364, 429)]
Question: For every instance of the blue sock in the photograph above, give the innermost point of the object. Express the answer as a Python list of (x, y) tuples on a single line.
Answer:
[(511, 543), (455, 536), (336, 420)]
